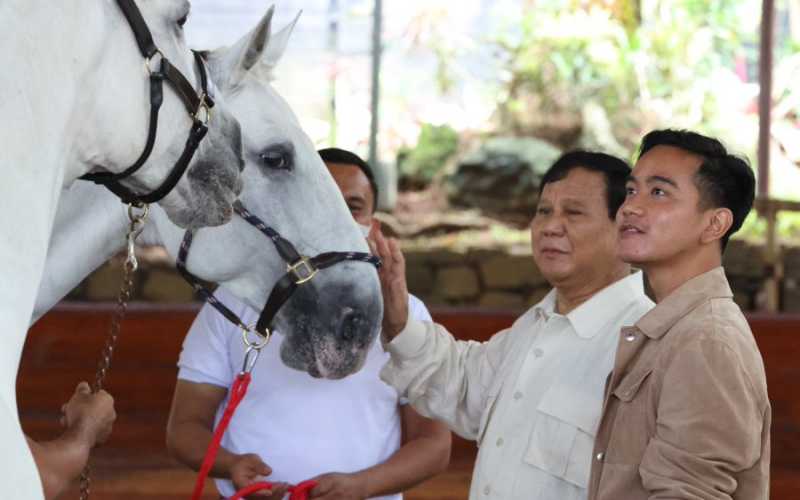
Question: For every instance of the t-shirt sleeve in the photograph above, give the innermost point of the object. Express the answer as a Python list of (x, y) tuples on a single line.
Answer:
[(205, 356)]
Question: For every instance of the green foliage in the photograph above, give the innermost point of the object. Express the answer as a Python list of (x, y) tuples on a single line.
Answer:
[(435, 145), (670, 70)]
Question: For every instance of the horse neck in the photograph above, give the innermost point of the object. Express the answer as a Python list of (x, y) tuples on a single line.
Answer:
[(90, 228)]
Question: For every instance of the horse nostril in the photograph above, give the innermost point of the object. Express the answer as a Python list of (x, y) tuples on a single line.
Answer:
[(350, 324)]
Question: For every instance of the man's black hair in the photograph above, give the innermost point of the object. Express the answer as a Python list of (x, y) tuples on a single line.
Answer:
[(337, 155), (614, 170), (723, 179)]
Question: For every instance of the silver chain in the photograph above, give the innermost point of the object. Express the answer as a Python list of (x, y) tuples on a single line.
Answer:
[(129, 267)]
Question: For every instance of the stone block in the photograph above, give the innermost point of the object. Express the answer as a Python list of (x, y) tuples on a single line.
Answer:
[(508, 272), (419, 277), (791, 294), (164, 285), (743, 260), (455, 283), (502, 300), (105, 282)]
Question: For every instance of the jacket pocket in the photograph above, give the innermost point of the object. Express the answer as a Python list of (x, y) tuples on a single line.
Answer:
[(629, 386), (562, 439)]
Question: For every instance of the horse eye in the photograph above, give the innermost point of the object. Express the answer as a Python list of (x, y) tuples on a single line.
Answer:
[(182, 20), (276, 160)]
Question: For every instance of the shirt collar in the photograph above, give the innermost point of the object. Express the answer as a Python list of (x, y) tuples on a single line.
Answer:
[(676, 305), (590, 317)]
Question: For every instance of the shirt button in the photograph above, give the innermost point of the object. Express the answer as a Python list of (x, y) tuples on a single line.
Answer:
[(500, 442), (517, 395), (538, 352), (487, 490), (630, 337), (600, 456)]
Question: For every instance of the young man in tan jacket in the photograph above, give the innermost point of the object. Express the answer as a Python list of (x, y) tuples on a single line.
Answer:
[(686, 414)]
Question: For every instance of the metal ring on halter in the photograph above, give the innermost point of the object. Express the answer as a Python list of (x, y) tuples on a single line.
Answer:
[(148, 60), (258, 345), (138, 217), (204, 108)]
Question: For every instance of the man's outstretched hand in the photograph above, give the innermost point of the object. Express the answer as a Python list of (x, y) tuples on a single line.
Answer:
[(393, 281)]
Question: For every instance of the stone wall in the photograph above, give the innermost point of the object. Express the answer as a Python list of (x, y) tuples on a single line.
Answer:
[(446, 276)]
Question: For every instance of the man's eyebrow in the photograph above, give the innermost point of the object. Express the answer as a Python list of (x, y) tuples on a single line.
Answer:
[(660, 178), (574, 201)]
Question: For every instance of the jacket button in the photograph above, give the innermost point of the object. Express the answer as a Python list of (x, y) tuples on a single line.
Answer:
[(600, 456), (630, 337)]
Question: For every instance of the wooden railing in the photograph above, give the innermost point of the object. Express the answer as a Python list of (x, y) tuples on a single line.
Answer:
[(62, 349)]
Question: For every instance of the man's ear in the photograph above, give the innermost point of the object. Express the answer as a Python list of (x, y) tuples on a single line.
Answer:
[(718, 221)]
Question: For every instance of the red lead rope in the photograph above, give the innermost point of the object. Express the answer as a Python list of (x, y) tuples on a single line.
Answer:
[(238, 391)]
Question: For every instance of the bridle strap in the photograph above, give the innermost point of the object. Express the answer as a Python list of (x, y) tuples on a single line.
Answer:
[(286, 286), (144, 40), (195, 105), (300, 271), (199, 287)]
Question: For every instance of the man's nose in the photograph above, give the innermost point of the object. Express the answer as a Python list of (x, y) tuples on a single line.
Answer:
[(631, 207), (553, 226)]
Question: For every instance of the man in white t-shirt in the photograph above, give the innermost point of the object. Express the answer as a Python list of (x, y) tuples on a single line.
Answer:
[(353, 436)]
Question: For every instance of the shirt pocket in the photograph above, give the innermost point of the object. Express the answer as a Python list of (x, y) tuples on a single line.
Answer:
[(562, 439), (488, 409)]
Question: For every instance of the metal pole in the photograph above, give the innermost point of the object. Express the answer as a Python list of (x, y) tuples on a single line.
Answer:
[(765, 94), (773, 282), (333, 46), (377, 48)]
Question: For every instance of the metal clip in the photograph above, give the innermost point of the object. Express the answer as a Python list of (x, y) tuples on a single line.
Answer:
[(250, 358), (135, 228)]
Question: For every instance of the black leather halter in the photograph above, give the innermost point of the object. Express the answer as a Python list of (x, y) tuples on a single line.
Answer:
[(198, 106), (300, 270)]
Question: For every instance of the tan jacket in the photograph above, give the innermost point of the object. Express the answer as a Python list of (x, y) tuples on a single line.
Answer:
[(686, 414)]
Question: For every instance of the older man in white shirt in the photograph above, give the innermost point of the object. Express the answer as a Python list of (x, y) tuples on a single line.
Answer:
[(532, 395)]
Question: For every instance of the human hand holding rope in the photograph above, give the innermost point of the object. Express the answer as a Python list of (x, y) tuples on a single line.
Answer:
[(90, 415)]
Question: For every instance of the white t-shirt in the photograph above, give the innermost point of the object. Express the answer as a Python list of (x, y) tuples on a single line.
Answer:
[(300, 426)]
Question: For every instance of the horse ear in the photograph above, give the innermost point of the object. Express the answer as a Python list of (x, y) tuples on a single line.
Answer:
[(229, 65), (277, 44)]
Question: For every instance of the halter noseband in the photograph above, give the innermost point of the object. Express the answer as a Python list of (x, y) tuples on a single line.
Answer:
[(300, 269), (198, 107)]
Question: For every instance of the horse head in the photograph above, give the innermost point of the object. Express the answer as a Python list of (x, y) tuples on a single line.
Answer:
[(331, 321), (119, 106)]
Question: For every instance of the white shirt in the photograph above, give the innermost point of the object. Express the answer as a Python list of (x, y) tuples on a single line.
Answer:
[(300, 426), (531, 396)]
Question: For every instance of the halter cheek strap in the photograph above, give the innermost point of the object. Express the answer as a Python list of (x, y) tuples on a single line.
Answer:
[(300, 270), (198, 107)]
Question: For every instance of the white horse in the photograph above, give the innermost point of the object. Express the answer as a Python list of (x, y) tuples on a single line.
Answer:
[(74, 99), (329, 322)]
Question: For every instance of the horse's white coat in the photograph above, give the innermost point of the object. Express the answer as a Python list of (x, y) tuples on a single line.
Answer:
[(303, 204), (73, 96)]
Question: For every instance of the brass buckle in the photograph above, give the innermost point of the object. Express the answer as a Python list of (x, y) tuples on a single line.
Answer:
[(148, 60), (203, 113), (303, 270)]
